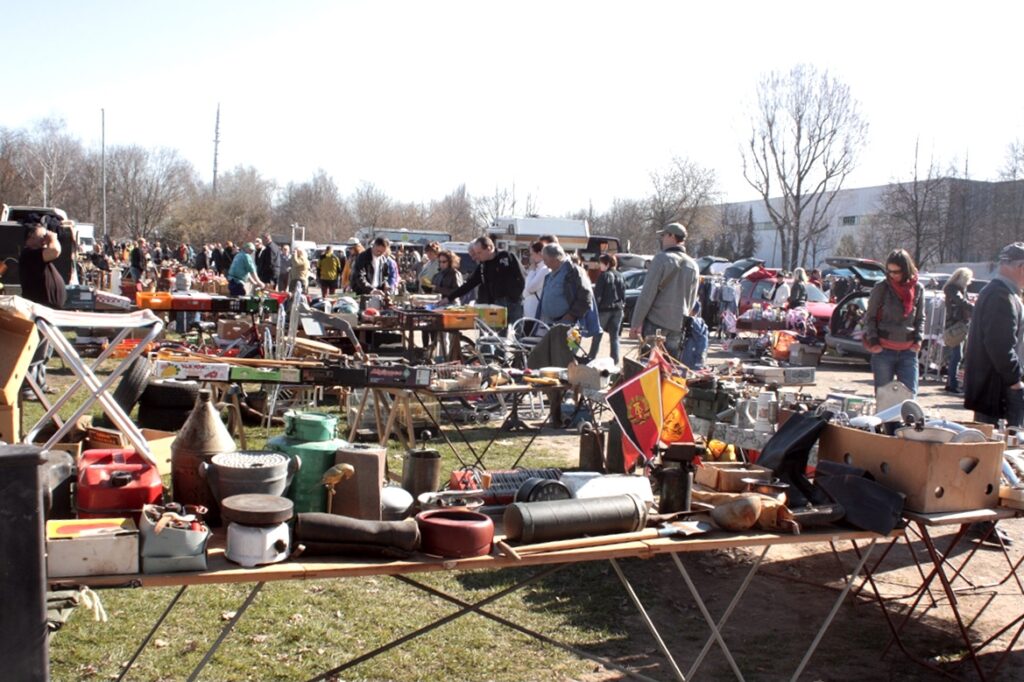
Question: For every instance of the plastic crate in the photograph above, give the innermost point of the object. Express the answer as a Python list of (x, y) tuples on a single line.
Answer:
[(253, 304), (420, 320), (494, 316), (458, 319), (199, 302), (225, 304), (154, 300)]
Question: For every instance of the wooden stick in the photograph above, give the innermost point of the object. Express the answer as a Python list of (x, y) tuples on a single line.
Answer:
[(507, 550), (595, 541)]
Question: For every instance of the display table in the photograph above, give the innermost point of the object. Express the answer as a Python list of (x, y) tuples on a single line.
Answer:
[(395, 401), (940, 565), (222, 571)]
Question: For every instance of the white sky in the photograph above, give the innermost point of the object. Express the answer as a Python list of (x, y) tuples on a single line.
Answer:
[(572, 102)]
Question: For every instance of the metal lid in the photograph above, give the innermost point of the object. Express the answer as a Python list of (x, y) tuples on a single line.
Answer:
[(250, 460), (257, 510)]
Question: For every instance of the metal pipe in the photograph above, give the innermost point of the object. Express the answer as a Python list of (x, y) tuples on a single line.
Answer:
[(24, 647)]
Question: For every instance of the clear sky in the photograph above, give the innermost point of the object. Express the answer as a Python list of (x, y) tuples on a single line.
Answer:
[(572, 102)]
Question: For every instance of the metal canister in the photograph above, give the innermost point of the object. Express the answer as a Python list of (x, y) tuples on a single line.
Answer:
[(203, 436)]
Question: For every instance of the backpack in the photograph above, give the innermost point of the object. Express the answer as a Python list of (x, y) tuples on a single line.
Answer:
[(694, 350)]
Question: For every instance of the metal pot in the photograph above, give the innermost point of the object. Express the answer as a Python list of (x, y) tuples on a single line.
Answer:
[(249, 473)]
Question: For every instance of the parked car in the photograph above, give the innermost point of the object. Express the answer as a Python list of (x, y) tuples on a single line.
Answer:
[(741, 268), (760, 291), (852, 274), (937, 281), (633, 261), (634, 281), (845, 331), (712, 265)]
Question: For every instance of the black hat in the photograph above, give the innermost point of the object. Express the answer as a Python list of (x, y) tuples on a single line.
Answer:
[(1012, 253)]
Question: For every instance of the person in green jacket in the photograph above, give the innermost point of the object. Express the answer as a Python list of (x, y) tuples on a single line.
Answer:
[(243, 271)]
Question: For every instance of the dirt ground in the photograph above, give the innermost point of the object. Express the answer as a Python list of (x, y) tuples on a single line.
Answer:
[(797, 585)]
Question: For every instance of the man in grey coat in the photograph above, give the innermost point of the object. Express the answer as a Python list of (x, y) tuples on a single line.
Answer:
[(670, 291)]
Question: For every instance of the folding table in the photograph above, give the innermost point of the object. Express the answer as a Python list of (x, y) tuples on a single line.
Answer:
[(222, 572), (52, 325), (940, 565)]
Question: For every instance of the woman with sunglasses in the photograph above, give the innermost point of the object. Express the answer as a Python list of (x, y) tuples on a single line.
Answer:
[(894, 322), (448, 278)]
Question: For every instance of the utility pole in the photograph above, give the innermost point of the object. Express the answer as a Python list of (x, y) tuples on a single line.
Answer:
[(216, 144), (103, 164)]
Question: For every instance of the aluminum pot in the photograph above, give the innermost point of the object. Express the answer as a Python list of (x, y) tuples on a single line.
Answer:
[(249, 473)]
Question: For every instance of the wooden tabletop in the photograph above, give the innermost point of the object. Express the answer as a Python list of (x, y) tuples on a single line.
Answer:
[(222, 571)]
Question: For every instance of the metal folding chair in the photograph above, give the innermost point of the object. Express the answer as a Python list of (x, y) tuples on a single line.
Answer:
[(51, 325)]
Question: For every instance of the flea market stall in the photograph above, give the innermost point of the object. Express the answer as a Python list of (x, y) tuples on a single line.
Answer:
[(667, 461)]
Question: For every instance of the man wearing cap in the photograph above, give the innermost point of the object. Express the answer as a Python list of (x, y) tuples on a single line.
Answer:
[(243, 271), (669, 292), (993, 370)]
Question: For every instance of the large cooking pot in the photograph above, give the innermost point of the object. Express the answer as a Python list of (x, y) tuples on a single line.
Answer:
[(249, 473)]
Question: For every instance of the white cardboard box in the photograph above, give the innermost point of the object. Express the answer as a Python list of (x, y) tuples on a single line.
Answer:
[(91, 547)]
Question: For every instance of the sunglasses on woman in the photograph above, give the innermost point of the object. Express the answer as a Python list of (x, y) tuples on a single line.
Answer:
[(894, 272)]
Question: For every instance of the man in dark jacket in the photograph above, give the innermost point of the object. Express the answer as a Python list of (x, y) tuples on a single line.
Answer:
[(499, 275), (269, 262), (374, 270), (993, 369)]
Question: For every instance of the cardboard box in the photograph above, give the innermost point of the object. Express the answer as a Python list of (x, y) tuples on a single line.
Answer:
[(727, 477), (91, 547), (229, 330), (802, 355), (159, 444), (934, 477), (359, 496), (10, 424), (201, 371), (18, 343)]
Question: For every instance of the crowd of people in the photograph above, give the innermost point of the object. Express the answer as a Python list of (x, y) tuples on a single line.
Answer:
[(983, 340)]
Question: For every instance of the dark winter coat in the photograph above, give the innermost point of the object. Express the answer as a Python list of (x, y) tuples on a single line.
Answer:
[(991, 363), (610, 291), (268, 263)]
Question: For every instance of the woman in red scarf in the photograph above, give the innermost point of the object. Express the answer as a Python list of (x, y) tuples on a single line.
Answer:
[(894, 322)]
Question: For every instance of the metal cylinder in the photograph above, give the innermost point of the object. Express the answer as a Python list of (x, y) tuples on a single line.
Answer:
[(203, 436), (676, 490), (421, 471), (24, 648), (562, 519)]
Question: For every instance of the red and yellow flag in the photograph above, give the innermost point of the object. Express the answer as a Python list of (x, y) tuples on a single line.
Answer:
[(676, 424), (636, 405)]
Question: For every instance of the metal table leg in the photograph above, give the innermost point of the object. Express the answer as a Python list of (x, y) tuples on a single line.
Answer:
[(149, 636), (519, 628), (647, 621), (436, 624), (225, 631)]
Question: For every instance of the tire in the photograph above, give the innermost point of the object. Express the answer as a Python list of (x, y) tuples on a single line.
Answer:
[(133, 383), (163, 418), (170, 394)]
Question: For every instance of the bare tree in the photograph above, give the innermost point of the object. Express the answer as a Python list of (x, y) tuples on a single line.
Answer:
[(370, 206), (679, 194), (914, 212), (317, 204), (1010, 199), (487, 208), (454, 214), (54, 157), (806, 133), (144, 186)]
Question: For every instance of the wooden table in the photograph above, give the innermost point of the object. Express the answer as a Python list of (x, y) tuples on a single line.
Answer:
[(221, 571)]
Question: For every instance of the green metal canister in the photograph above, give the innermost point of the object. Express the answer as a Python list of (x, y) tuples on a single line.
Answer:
[(307, 492)]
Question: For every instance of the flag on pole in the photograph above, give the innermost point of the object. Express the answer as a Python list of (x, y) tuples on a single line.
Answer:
[(676, 424), (636, 406)]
